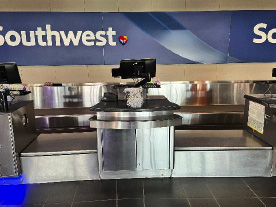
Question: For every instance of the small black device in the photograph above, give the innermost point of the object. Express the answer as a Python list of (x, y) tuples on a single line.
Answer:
[(109, 97), (9, 73), (136, 68), (273, 72)]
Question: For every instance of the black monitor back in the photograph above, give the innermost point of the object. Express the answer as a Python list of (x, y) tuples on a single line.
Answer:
[(127, 68), (9, 73)]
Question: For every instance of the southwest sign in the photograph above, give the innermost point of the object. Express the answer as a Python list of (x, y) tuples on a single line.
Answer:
[(49, 38)]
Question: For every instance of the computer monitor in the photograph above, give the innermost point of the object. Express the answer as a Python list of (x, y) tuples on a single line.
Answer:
[(9, 73), (136, 68)]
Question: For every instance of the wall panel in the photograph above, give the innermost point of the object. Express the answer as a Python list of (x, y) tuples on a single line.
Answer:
[(101, 73), (38, 74), (71, 74), (188, 72), (6, 5), (202, 5), (135, 6), (201, 72), (32, 5), (131, 5), (171, 72), (101, 6), (247, 4), (233, 72), (168, 5), (67, 5)]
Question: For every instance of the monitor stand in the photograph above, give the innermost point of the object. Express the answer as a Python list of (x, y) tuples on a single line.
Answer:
[(4, 101)]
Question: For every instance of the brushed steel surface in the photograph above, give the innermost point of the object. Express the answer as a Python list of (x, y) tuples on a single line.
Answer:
[(211, 118), (127, 174), (179, 92), (75, 100), (17, 132), (142, 114), (135, 153), (119, 149), (188, 118), (8, 162), (218, 140), (171, 146), (273, 171), (162, 121), (62, 121), (60, 168), (153, 148), (225, 163), (24, 134), (62, 143)]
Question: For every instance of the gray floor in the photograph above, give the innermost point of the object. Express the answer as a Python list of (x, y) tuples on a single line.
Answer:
[(176, 192)]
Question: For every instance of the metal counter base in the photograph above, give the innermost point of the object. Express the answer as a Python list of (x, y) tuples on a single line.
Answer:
[(221, 153), (197, 153), (135, 153), (61, 157)]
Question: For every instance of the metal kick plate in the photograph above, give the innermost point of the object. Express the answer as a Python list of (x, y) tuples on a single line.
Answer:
[(60, 168), (224, 163)]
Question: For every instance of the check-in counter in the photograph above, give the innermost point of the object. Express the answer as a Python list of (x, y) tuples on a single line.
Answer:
[(200, 151), (135, 142)]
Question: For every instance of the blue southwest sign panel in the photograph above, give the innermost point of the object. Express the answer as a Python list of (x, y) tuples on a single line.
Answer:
[(48, 38)]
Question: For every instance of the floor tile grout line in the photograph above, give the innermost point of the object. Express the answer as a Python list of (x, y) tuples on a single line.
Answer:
[(144, 202), (186, 195), (253, 192), (130, 198), (92, 201), (77, 187), (212, 194), (48, 196), (116, 193)]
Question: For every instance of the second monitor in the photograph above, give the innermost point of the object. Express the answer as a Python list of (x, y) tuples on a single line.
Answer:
[(136, 68)]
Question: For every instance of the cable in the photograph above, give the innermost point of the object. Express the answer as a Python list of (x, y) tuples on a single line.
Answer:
[(268, 90), (12, 98)]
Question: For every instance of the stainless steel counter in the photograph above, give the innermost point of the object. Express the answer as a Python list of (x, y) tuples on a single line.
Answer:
[(197, 153), (202, 102), (182, 93)]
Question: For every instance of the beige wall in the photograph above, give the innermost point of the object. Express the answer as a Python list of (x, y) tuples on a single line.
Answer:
[(81, 74), (134, 5), (188, 72)]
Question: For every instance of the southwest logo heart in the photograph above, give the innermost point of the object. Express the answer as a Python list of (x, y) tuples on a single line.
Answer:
[(123, 39)]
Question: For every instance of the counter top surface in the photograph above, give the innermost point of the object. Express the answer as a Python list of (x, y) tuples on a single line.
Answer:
[(149, 105), (261, 98)]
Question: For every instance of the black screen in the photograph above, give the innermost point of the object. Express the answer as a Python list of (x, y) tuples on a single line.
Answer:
[(135, 68), (9, 73)]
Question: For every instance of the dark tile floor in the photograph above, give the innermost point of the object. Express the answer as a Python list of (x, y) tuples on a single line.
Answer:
[(175, 192)]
